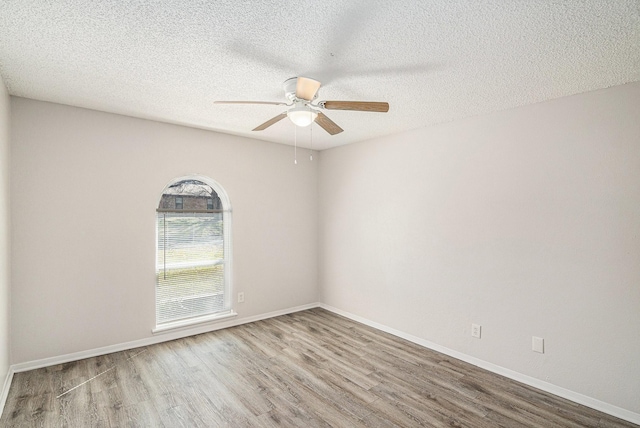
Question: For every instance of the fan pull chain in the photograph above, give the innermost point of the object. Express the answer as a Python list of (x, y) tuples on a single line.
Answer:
[(295, 145)]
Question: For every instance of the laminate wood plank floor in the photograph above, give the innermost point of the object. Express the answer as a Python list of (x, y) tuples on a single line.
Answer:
[(308, 369)]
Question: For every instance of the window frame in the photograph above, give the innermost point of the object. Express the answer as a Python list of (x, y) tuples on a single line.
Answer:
[(227, 260)]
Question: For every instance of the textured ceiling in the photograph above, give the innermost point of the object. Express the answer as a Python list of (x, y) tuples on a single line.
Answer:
[(433, 61)]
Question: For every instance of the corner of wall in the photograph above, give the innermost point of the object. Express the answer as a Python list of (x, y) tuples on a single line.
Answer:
[(5, 247)]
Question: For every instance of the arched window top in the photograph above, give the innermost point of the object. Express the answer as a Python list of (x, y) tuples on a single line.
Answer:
[(193, 194)]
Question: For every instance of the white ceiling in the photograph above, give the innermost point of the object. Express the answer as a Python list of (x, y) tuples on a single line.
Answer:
[(433, 61)]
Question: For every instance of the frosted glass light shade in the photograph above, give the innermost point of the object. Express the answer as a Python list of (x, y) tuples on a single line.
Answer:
[(302, 116)]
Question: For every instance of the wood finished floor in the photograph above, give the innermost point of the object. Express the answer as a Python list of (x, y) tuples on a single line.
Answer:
[(308, 369)]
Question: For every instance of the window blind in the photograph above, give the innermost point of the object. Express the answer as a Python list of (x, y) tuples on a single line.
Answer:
[(190, 265)]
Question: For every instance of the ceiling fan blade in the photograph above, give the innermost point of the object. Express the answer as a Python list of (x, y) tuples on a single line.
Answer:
[(306, 88), (328, 124), (356, 105), (270, 122), (250, 102)]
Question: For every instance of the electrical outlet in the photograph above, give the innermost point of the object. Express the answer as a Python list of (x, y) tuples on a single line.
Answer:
[(476, 330), (537, 344), (241, 297)]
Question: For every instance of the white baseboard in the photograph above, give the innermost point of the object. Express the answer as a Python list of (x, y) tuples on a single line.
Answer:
[(5, 389), (158, 338), (593, 403)]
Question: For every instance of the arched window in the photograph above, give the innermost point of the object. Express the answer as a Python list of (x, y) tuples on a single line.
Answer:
[(193, 224)]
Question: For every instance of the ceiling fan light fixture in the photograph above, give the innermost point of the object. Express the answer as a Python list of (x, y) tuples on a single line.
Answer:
[(302, 116)]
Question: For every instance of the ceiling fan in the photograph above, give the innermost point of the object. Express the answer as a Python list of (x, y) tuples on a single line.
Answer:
[(301, 92)]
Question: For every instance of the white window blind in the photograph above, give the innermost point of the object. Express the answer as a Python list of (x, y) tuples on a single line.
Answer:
[(190, 262)]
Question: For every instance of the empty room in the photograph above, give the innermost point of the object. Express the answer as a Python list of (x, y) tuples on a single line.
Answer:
[(319, 214)]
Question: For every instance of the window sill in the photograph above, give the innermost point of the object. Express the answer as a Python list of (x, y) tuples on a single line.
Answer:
[(193, 321)]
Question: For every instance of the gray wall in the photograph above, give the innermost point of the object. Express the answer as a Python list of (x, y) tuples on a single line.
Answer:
[(5, 234), (85, 186), (525, 221)]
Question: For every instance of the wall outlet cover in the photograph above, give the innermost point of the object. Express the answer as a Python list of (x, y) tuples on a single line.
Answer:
[(476, 330), (537, 344)]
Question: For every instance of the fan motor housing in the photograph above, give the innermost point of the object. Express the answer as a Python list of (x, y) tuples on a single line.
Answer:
[(289, 86)]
